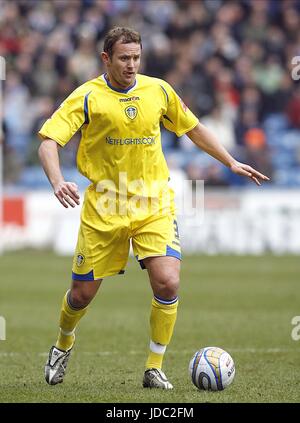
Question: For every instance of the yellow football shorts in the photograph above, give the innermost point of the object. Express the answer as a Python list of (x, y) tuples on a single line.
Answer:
[(104, 240)]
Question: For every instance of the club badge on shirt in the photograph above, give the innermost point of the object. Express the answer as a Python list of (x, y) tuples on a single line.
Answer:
[(131, 112)]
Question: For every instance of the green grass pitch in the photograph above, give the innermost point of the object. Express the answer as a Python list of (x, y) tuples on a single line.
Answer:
[(242, 304)]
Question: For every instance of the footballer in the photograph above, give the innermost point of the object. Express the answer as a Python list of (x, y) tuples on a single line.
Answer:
[(128, 200)]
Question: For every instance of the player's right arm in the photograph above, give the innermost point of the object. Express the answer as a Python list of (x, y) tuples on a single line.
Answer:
[(56, 133), (66, 192)]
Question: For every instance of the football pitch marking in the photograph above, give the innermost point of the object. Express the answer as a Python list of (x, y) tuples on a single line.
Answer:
[(2, 329), (107, 353)]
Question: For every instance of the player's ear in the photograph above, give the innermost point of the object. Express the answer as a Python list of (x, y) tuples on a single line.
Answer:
[(105, 57)]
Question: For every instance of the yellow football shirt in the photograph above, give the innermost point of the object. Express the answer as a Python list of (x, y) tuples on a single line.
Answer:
[(120, 130)]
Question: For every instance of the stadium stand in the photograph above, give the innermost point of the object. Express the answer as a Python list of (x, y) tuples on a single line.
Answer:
[(230, 61)]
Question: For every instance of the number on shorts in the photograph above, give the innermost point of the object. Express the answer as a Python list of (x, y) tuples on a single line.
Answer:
[(176, 229)]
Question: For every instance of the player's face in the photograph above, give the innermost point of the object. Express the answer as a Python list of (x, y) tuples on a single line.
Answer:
[(124, 64)]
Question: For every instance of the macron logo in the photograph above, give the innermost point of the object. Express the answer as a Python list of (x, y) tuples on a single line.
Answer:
[(122, 100)]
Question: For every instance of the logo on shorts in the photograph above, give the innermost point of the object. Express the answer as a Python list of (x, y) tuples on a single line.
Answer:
[(80, 260), (131, 112)]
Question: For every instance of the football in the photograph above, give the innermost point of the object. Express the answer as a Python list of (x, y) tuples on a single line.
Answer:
[(212, 369)]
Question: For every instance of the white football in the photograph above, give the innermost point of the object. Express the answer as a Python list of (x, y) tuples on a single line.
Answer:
[(212, 369)]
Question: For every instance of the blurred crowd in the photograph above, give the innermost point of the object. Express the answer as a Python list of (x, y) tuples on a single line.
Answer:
[(234, 63)]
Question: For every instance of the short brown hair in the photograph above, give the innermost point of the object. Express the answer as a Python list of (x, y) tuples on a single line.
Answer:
[(127, 35)]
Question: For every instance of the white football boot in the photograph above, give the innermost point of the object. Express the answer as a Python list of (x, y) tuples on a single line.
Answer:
[(155, 378), (56, 365)]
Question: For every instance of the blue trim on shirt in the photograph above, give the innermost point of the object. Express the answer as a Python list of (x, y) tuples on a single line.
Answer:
[(165, 93), (86, 108), (85, 277), (119, 90)]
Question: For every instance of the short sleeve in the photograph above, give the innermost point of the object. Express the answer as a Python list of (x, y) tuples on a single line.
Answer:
[(67, 119), (178, 117)]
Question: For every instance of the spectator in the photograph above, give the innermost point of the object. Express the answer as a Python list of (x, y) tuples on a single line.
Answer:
[(214, 176), (223, 127), (256, 150)]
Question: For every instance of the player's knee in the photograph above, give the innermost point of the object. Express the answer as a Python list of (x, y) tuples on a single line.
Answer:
[(82, 293), (166, 286), (80, 299)]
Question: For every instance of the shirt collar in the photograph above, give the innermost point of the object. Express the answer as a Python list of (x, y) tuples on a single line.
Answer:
[(118, 90)]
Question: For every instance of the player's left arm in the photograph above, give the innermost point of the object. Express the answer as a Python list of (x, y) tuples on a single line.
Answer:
[(207, 141)]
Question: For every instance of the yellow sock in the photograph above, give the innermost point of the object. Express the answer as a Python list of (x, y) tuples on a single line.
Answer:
[(154, 360), (162, 321), (65, 342), (69, 318)]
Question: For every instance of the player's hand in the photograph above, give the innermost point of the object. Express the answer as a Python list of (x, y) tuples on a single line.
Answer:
[(246, 170), (67, 193)]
